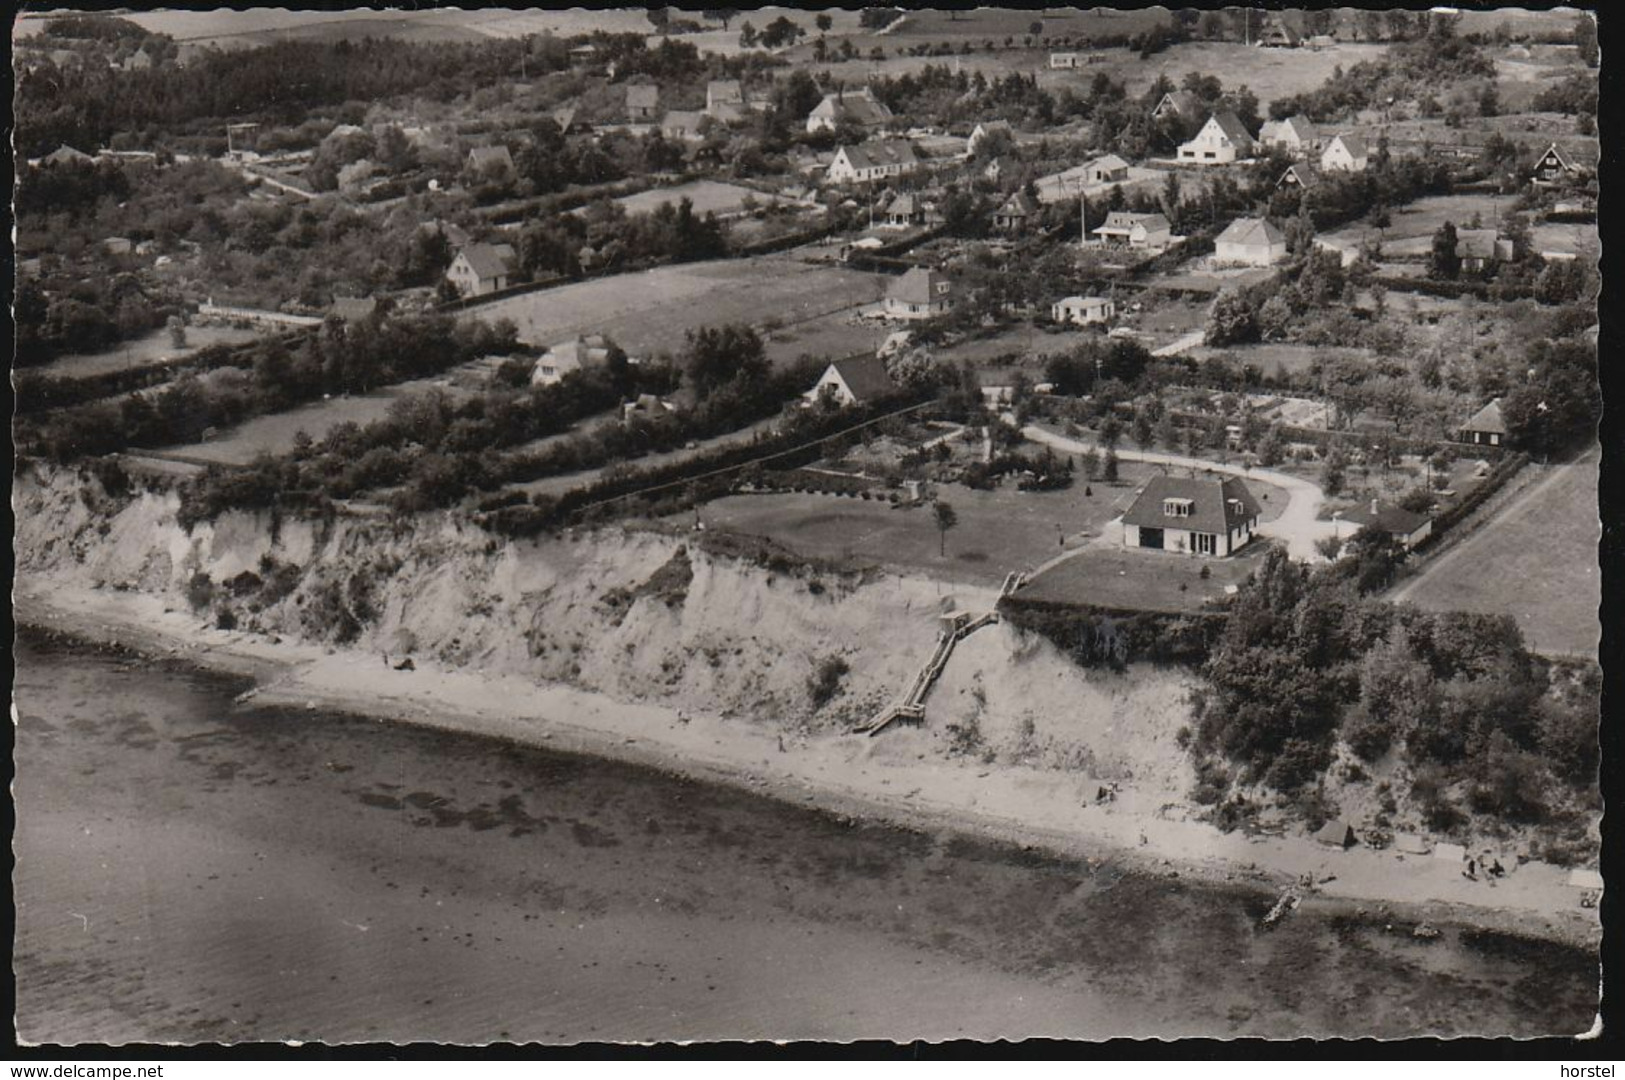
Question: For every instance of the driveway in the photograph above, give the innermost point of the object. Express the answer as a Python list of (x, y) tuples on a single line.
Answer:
[(1298, 526)]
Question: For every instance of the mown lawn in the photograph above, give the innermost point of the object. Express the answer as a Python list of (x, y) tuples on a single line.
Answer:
[(999, 531), (1111, 576), (1536, 560)]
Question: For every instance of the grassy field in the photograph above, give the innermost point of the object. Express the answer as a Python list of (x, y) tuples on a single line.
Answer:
[(708, 197), (260, 26), (1420, 219), (1277, 359), (1536, 560), (998, 531), (648, 312), (154, 350), (1111, 576), (275, 433)]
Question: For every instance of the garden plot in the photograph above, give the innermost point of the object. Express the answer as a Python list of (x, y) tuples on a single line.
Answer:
[(156, 349)]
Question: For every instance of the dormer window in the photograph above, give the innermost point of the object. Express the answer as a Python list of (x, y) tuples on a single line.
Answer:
[(1177, 507)]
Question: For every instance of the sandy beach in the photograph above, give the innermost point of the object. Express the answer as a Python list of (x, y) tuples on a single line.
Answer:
[(848, 776)]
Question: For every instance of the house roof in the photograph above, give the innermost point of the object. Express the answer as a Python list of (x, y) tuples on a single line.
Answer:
[(865, 376), (1183, 102), (905, 203), (488, 260), (718, 91), (1250, 231), (1295, 127), (481, 156), (881, 152), (642, 96), (1232, 127), (66, 153), (579, 351), (564, 116), (1084, 302), (918, 286), (354, 308), (1354, 144), (1387, 517), (1126, 220), (1110, 161), (988, 127), (1488, 419), (859, 106), (1476, 244), (1019, 204), (682, 123), (1217, 505), (1305, 175)]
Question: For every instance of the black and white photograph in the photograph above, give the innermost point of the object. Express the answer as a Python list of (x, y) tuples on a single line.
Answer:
[(643, 525)]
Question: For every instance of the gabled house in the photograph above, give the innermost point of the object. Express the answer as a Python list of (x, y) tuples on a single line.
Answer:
[(1404, 527), (859, 107), (876, 159), (1300, 175), (1192, 515), (1478, 249), (642, 102), (1140, 232), (921, 293), (682, 125), (67, 155), (1083, 310), (578, 354), (1064, 61), (1557, 167), (725, 100), (1250, 242), (983, 130), (1278, 35), (1345, 153), (904, 210), (354, 309), (995, 169), (1110, 169), (854, 381), (482, 160), (1295, 135), (1181, 104), (1019, 211), (567, 117), (1222, 140), (479, 269), (1486, 427)]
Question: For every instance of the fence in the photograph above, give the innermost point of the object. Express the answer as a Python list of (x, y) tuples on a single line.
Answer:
[(210, 310)]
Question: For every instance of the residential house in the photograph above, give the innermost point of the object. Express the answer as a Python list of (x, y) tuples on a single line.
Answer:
[(1192, 515), (854, 381), (479, 269), (859, 107), (584, 54), (682, 125), (1318, 42), (140, 60), (357, 173), (995, 169), (1221, 141), (456, 236), (1486, 427), (1019, 211), (642, 102), (489, 160), (577, 354), (646, 406), (1278, 35), (1557, 167), (905, 209), (1178, 104), (725, 101), (1479, 249), (567, 117), (1300, 175), (67, 155), (1295, 135), (1404, 527), (117, 245), (1345, 153), (921, 293), (983, 130), (1250, 242), (1139, 232), (876, 159), (1065, 61), (1110, 169), (1083, 310)]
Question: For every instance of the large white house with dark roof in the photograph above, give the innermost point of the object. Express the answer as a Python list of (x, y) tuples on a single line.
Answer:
[(1192, 515), (1250, 242), (481, 268), (858, 107), (922, 293), (1294, 135), (876, 159), (1222, 140), (1345, 153)]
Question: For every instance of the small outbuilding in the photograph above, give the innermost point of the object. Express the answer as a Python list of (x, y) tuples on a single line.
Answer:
[(1486, 427), (1336, 833), (1409, 843), (1449, 852), (1250, 242)]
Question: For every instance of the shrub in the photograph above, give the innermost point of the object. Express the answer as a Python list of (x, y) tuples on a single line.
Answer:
[(199, 591), (825, 682), (1300, 762), (1368, 734)]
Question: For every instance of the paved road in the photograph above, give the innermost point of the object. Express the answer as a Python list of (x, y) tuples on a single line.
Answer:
[(1179, 345), (1298, 526)]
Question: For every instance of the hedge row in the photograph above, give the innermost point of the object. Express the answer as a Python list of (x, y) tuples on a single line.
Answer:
[(38, 392), (1452, 516)]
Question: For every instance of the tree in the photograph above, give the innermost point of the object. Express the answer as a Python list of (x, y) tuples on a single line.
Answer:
[(1332, 472), (823, 22), (1444, 264), (1231, 320), (1108, 466), (946, 518)]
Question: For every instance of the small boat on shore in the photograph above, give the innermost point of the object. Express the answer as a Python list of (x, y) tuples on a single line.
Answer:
[(1287, 903)]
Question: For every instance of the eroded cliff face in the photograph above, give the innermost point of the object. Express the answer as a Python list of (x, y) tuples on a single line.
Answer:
[(635, 615)]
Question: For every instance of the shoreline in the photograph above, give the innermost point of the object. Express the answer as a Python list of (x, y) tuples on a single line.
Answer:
[(842, 776)]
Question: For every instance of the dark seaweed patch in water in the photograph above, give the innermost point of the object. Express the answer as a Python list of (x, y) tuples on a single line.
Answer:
[(383, 802)]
